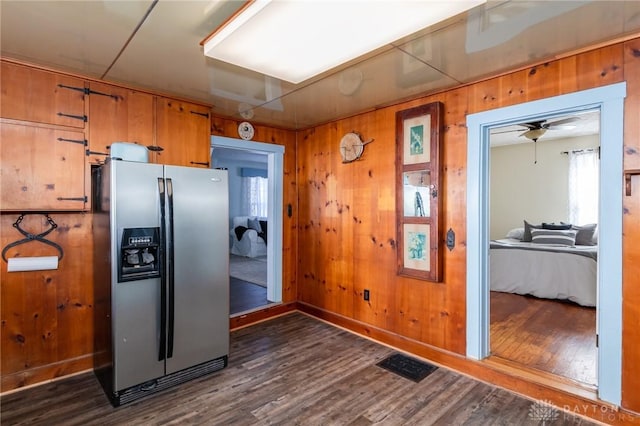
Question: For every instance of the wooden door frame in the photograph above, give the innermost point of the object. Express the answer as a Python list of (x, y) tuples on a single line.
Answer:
[(609, 100), (275, 166)]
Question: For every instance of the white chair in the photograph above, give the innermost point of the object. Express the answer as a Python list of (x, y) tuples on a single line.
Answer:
[(250, 245)]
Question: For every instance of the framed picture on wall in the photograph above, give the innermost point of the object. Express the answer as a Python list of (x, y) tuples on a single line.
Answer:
[(416, 245), (418, 141)]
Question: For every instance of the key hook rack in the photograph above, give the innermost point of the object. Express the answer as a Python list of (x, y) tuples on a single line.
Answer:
[(33, 237)]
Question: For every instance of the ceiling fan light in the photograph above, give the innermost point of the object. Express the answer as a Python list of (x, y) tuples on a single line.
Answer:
[(534, 134)]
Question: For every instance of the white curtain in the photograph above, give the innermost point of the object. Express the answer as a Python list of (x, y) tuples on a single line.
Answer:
[(584, 178), (254, 196)]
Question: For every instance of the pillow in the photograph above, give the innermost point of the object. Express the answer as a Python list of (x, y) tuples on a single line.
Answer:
[(263, 225), (515, 233), (560, 225), (563, 237), (526, 236), (585, 234), (254, 224)]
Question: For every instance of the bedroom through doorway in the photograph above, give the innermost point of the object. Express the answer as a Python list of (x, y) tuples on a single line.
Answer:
[(543, 223), (255, 221)]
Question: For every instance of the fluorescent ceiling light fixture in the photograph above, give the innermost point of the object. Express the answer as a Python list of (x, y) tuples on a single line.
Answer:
[(294, 40)]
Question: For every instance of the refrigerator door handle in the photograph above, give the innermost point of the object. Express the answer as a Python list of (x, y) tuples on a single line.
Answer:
[(163, 280), (171, 273)]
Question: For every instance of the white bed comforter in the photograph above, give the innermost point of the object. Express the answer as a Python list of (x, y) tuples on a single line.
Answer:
[(558, 274)]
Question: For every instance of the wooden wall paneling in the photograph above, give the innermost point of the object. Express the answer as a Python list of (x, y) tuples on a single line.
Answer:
[(123, 115), (47, 316), (75, 293), (600, 67), (337, 221), (631, 234), (540, 81), (454, 212), (40, 165), (484, 95), (39, 96), (306, 285), (374, 252), (312, 284)]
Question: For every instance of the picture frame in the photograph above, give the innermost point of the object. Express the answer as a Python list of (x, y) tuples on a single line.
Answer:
[(416, 246), (416, 139), (418, 200)]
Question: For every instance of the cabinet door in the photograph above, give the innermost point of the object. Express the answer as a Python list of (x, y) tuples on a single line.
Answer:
[(118, 115), (183, 133), (42, 168), (41, 96)]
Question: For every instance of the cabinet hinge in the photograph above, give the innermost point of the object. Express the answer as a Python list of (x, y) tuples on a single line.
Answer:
[(77, 117), (88, 152), (87, 91), (79, 89), (200, 163), (93, 92), (204, 114), (80, 141), (83, 199)]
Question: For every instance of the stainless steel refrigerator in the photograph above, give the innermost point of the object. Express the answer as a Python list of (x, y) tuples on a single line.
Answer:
[(161, 276)]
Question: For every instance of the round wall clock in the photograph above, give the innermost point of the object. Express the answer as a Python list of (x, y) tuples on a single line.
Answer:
[(352, 146), (245, 130)]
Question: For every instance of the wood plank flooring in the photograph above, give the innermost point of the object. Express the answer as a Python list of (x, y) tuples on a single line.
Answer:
[(291, 370), (245, 296), (547, 335)]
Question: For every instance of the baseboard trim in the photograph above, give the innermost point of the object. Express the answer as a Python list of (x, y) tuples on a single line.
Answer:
[(567, 397), (46, 373), (271, 311)]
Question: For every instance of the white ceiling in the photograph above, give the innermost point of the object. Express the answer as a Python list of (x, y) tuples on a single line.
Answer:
[(155, 45)]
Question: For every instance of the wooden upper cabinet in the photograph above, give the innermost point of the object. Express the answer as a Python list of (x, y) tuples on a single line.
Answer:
[(183, 133), (42, 168), (30, 94), (118, 115)]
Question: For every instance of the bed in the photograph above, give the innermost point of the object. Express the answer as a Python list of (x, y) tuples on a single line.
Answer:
[(547, 270)]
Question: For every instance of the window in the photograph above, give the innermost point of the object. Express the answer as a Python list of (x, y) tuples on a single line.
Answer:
[(584, 177), (254, 196)]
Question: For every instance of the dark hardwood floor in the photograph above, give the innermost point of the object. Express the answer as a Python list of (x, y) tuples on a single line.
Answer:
[(245, 296), (291, 370), (547, 335)]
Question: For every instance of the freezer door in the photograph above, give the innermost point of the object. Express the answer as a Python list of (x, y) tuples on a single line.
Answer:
[(135, 304), (198, 275)]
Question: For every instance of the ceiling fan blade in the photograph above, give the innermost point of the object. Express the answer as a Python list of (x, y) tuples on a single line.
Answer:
[(505, 131), (533, 125), (562, 122)]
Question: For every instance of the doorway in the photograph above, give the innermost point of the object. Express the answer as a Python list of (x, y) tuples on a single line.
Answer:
[(260, 156), (609, 100), (543, 291)]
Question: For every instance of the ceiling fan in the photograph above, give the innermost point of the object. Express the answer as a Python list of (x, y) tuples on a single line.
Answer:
[(536, 129)]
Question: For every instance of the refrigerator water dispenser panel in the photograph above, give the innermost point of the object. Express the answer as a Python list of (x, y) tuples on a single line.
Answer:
[(139, 254)]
